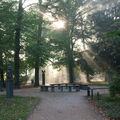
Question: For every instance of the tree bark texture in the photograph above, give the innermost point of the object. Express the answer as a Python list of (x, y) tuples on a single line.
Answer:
[(37, 61), (1, 71), (17, 44)]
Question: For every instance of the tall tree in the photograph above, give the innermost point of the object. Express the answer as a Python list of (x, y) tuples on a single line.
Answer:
[(17, 43), (66, 44), (107, 46), (37, 50), (7, 26), (37, 60)]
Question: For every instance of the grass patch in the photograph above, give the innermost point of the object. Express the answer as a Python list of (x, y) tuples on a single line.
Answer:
[(17, 108), (98, 83), (110, 106)]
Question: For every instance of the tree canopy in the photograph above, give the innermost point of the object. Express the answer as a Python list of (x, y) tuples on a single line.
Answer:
[(87, 36)]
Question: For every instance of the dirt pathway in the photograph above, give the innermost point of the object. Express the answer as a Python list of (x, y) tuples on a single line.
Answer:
[(61, 106)]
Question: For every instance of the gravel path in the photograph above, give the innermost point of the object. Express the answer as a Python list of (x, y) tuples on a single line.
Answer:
[(61, 106)]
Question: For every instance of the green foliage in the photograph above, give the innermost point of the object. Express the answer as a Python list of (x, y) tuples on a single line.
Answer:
[(110, 106), (85, 67), (106, 45), (59, 46), (66, 50), (17, 108), (7, 27), (7, 30), (31, 47), (111, 99), (99, 83), (28, 39), (115, 85)]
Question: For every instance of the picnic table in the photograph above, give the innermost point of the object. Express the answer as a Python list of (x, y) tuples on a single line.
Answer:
[(64, 86)]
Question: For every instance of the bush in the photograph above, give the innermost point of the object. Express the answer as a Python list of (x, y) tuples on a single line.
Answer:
[(115, 85), (110, 106), (111, 99)]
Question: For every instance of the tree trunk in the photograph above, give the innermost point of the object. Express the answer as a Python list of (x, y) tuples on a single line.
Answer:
[(37, 62), (71, 73), (1, 67), (37, 72), (71, 66), (2, 78), (71, 62), (17, 44), (106, 76), (88, 77), (1, 71), (70, 46)]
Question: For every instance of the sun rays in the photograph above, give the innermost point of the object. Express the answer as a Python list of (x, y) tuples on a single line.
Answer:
[(60, 24)]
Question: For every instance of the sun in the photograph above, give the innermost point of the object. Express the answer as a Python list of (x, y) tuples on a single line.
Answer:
[(60, 24), (56, 24)]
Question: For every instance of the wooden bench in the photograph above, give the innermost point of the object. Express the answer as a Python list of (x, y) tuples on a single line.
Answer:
[(76, 86), (61, 87)]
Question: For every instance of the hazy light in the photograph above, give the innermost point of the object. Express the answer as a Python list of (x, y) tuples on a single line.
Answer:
[(60, 24), (49, 17), (29, 2)]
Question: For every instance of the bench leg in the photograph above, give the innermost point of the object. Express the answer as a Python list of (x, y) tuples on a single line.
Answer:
[(66, 86), (41, 88), (46, 89), (77, 89), (70, 88), (52, 89), (61, 88), (88, 92), (74, 87)]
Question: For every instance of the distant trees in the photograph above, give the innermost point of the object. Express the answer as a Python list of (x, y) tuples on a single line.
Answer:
[(106, 26), (36, 48), (42, 49), (21, 40)]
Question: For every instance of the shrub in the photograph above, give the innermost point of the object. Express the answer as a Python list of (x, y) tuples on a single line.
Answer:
[(115, 85)]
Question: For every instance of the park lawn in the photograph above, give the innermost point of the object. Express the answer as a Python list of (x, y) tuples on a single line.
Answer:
[(99, 83), (109, 105), (17, 108)]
